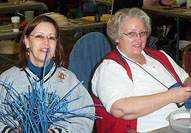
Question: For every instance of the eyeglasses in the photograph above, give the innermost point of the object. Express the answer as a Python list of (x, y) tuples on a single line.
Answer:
[(133, 35), (42, 37)]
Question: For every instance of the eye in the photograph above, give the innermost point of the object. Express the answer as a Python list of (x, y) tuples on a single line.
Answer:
[(132, 34), (53, 38), (41, 37), (144, 33)]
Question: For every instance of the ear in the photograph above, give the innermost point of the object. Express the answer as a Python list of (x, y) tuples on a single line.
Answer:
[(26, 42), (117, 40)]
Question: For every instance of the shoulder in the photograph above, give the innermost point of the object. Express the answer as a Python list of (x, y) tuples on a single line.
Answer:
[(168, 57), (14, 75), (69, 76), (13, 72), (109, 63), (109, 67), (68, 81), (65, 71)]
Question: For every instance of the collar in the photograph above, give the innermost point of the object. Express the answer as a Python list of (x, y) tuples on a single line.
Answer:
[(38, 71), (33, 77), (143, 52)]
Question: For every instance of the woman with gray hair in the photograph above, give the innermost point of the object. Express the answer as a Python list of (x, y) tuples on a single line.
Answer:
[(133, 82), (114, 24)]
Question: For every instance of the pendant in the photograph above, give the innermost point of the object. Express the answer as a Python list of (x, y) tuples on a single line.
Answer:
[(61, 75)]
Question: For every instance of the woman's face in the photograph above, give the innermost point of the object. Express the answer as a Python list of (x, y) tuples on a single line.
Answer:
[(133, 36), (42, 38)]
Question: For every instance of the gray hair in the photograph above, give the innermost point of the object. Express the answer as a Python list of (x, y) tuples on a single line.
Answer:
[(114, 23)]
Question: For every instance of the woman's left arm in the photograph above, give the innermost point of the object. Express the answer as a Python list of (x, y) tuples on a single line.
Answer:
[(83, 124), (77, 124)]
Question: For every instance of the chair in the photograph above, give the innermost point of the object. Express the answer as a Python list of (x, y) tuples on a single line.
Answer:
[(186, 64), (151, 43), (186, 59), (86, 54)]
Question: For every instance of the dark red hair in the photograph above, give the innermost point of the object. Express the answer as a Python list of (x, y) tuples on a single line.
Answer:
[(23, 57)]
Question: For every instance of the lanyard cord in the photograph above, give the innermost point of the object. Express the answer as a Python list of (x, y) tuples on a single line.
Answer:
[(123, 57), (144, 71)]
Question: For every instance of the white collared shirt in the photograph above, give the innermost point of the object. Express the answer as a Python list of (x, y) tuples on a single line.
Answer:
[(111, 83)]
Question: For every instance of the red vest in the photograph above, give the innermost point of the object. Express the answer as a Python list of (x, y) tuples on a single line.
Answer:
[(110, 124)]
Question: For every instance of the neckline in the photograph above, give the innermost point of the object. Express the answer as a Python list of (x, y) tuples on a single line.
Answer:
[(38, 71), (32, 76)]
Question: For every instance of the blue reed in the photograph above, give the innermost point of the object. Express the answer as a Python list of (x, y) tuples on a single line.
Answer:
[(38, 109)]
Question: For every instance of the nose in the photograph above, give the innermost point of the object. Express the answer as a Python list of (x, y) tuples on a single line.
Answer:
[(138, 37), (46, 40)]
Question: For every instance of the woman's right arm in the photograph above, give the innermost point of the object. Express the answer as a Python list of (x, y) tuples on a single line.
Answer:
[(114, 88), (125, 108)]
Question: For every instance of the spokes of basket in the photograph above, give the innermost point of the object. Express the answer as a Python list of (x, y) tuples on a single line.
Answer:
[(37, 109)]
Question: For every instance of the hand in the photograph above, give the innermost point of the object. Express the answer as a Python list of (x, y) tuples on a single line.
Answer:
[(172, 3), (14, 131), (179, 94)]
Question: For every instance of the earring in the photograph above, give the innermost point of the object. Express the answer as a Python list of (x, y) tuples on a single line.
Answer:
[(27, 51)]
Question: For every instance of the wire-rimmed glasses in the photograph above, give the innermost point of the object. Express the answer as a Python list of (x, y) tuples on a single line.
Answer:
[(38, 36), (134, 35)]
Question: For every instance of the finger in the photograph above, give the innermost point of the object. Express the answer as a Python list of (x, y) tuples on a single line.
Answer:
[(188, 89)]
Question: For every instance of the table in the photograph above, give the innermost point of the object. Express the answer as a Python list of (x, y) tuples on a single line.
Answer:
[(9, 35), (84, 23), (75, 25), (11, 8), (169, 11), (164, 130), (105, 2), (79, 24), (177, 13), (161, 130), (6, 8)]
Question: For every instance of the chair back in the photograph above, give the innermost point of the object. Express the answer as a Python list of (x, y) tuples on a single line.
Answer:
[(86, 54), (186, 59)]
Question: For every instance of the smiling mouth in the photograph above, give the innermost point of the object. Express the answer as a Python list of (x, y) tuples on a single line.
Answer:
[(137, 46), (44, 50)]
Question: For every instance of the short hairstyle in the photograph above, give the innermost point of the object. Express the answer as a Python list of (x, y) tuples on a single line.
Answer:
[(23, 57), (114, 23)]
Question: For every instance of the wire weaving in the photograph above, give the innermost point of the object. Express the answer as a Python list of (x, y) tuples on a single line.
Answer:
[(37, 109)]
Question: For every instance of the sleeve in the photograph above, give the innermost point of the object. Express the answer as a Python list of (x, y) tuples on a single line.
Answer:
[(111, 83), (78, 124), (3, 127), (179, 70)]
